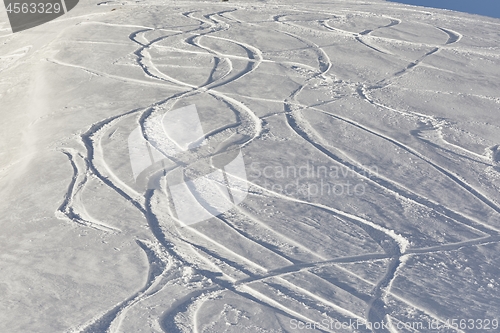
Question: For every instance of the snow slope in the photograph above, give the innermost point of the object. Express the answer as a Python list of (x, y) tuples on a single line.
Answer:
[(370, 135)]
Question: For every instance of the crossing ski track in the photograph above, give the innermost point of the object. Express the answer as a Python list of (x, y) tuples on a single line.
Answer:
[(219, 267), (376, 304)]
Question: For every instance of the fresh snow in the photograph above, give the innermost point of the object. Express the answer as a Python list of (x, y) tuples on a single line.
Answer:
[(369, 133)]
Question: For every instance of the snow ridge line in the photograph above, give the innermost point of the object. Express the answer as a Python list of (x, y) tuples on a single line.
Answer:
[(148, 200), (469, 221), (376, 307), (460, 182), (260, 242), (370, 257), (110, 76), (235, 286), (323, 70), (402, 242), (68, 209), (105, 322), (292, 122), (396, 142), (190, 305), (254, 240), (156, 227), (394, 187), (394, 270)]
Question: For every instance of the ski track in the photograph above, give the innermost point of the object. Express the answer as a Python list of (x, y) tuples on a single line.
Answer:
[(75, 212), (293, 122), (165, 255), (103, 323), (455, 216), (376, 309), (106, 321)]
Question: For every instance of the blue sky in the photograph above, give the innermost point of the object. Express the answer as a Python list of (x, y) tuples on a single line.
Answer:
[(481, 7)]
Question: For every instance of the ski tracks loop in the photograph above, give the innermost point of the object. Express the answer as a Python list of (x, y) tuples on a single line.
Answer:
[(173, 250)]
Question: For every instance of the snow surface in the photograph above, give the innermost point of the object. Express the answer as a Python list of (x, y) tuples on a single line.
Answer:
[(401, 107)]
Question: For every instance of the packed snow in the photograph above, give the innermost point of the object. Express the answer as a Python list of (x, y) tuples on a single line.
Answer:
[(250, 166)]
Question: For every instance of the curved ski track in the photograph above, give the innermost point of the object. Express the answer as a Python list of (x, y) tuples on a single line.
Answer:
[(168, 254)]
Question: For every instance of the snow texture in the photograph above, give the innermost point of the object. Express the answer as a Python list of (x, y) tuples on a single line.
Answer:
[(369, 133)]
